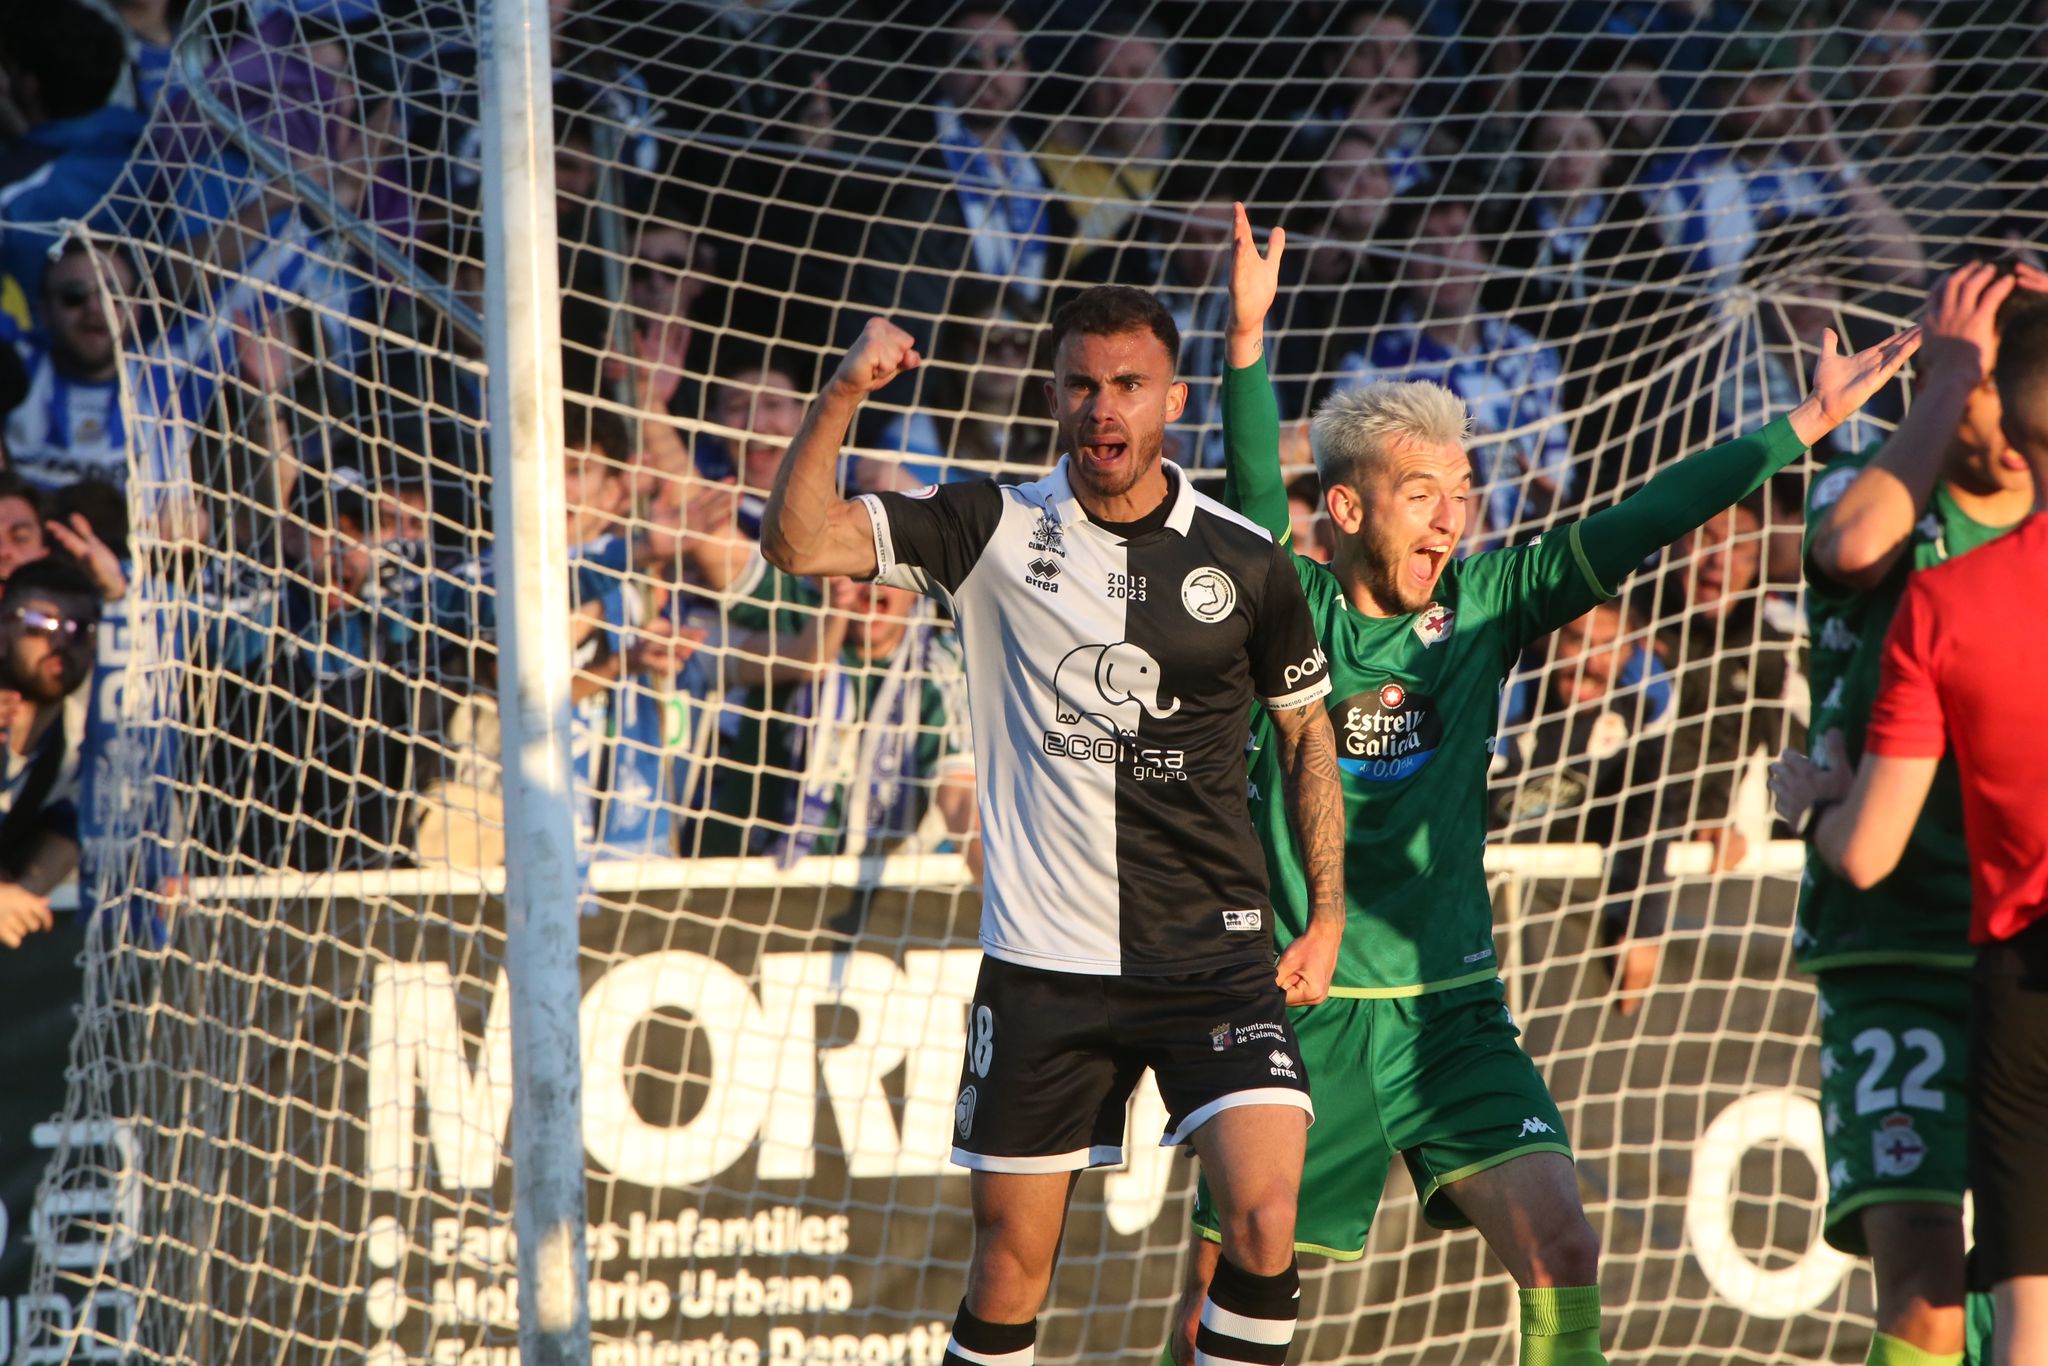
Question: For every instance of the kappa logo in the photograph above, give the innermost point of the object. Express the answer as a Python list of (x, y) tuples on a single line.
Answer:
[(1836, 637), (1433, 624), (1533, 1125), (1243, 920), (1832, 1123), (1832, 485), (1219, 1038), (1115, 685), (1283, 1065), (1929, 528), (1897, 1149), (963, 1111), (1208, 594), (1041, 572)]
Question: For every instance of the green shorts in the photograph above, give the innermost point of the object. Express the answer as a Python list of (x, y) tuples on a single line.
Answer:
[(1438, 1079), (1894, 1044)]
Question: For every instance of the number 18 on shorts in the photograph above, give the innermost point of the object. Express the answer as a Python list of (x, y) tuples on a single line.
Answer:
[(1052, 1058)]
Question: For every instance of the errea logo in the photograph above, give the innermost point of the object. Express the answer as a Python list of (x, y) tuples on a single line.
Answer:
[(1283, 1065)]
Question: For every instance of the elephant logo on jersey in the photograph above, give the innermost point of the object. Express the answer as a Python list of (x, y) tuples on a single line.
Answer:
[(1208, 594), (1117, 685)]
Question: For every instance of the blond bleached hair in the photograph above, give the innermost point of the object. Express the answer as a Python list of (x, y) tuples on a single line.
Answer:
[(1353, 428)]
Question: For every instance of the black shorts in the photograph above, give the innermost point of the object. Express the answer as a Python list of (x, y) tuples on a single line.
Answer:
[(2008, 1089), (1052, 1058)]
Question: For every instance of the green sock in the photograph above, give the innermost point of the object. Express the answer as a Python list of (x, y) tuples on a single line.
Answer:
[(1561, 1326), (1977, 1310), (1886, 1350)]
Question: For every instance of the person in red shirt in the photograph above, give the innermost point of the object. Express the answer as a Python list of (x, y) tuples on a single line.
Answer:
[(1966, 664)]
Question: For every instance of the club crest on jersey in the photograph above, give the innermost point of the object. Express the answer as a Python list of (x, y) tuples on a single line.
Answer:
[(1047, 538), (1386, 734), (1219, 1038), (1432, 624), (1897, 1149), (1208, 594)]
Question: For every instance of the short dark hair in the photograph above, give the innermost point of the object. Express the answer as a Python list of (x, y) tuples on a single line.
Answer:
[(59, 579), (585, 428), (76, 56), (104, 507), (1108, 310), (2022, 350), (13, 485)]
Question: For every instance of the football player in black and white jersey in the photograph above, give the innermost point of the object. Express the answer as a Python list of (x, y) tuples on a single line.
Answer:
[(1117, 627)]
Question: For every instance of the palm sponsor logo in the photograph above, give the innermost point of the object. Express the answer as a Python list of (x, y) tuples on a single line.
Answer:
[(1105, 691), (1386, 734)]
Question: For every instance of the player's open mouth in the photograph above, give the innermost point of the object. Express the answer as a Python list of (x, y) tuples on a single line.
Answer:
[(1427, 561), (1102, 454)]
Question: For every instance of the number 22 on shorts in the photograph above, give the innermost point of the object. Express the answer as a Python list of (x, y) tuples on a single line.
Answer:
[(1913, 1092)]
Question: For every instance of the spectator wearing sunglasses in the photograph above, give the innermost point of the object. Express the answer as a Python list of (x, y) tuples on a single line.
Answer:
[(48, 614), (71, 426)]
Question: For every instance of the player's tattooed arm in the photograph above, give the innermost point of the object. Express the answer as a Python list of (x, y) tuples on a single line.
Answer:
[(807, 528), (1315, 804)]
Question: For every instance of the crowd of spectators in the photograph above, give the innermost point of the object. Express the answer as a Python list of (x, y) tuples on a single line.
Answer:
[(1614, 231)]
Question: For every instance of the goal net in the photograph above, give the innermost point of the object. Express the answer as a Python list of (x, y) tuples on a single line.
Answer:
[(1616, 229)]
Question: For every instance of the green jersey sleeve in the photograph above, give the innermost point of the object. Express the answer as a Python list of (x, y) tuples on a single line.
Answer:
[(1251, 450), (1681, 499), (1532, 589)]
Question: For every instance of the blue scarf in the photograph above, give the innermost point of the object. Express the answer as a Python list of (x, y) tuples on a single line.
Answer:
[(1003, 198)]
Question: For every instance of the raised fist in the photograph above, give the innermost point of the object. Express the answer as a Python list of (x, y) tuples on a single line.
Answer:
[(883, 352)]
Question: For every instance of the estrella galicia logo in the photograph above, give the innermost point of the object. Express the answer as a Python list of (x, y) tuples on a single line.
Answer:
[(1115, 685), (1386, 734)]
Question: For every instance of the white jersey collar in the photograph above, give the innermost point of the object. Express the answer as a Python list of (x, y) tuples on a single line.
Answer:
[(1057, 492)]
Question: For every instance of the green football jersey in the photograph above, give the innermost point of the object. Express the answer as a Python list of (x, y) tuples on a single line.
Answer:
[(1415, 701), (1921, 913)]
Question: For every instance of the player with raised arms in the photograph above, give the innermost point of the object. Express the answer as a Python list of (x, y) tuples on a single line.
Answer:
[(1962, 670), (1415, 1052), (1117, 627), (1891, 963)]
